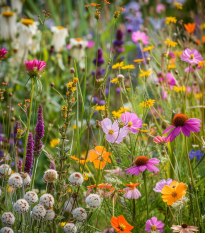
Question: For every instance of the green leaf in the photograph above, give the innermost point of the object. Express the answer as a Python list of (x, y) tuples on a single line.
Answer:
[(201, 160), (199, 183)]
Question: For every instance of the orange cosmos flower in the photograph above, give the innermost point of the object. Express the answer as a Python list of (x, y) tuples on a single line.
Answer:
[(174, 192), (82, 160), (104, 186), (190, 27), (91, 186), (203, 39), (121, 225), (99, 157)]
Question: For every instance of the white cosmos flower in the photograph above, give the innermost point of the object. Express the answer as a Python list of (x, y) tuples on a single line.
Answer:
[(17, 5), (20, 53), (8, 24), (59, 36)]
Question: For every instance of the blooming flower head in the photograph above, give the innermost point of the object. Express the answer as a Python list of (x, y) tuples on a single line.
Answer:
[(174, 192), (182, 123), (121, 225), (160, 185), (131, 122), (170, 20), (59, 37), (140, 37), (160, 8), (141, 164), (198, 154), (160, 140), (2, 53), (190, 27), (184, 228), (147, 103), (170, 43), (178, 5), (82, 159), (145, 73), (192, 57), (154, 225), (113, 133), (34, 68), (131, 191), (99, 157), (148, 49)]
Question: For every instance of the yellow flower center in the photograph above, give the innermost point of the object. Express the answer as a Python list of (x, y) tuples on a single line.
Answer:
[(111, 131), (27, 22), (154, 228), (129, 124), (122, 226), (174, 194), (192, 56), (60, 27), (7, 14), (78, 39)]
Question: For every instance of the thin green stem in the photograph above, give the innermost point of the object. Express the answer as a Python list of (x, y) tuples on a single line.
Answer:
[(145, 184), (35, 164)]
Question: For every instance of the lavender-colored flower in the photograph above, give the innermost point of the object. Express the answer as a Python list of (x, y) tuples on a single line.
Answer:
[(39, 132), (100, 60), (109, 230), (29, 154), (154, 225), (160, 185), (192, 57)]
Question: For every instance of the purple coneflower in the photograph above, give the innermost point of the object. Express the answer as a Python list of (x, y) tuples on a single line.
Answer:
[(29, 154), (154, 225)]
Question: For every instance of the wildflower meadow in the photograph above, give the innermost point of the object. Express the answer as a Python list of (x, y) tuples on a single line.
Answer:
[(102, 109)]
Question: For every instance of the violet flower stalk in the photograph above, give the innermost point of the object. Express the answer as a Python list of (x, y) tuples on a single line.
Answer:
[(29, 154)]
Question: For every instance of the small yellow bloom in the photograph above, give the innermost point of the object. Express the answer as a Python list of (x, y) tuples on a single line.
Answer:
[(70, 84), (115, 80), (144, 124), (128, 67), (198, 96), (54, 142), (178, 53), (10, 189), (144, 131), (170, 20), (178, 89), (148, 48), (145, 73), (178, 5), (147, 103), (118, 65), (63, 224), (170, 43), (116, 114), (172, 66), (121, 110), (202, 26), (139, 60), (74, 127), (64, 108), (128, 89), (100, 108), (75, 80), (73, 89), (201, 63)]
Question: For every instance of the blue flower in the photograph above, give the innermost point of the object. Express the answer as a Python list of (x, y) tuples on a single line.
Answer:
[(198, 154)]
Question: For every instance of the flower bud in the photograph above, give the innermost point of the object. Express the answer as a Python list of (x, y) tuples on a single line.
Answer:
[(121, 124), (72, 70), (176, 72), (52, 84), (120, 77), (10, 94)]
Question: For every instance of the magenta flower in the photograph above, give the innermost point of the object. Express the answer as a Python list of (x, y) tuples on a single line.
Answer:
[(160, 8), (35, 65), (152, 225), (192, 57), (160, 185), (191, 69), (131, 191), (160, 140), (113, 133), (182, 123), (132, 122), (2, 53), (140, 37), (141, 164)]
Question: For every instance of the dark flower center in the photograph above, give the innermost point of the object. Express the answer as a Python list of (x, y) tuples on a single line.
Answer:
[(141, 160), (184, 225), (180, 120), (174, 194)]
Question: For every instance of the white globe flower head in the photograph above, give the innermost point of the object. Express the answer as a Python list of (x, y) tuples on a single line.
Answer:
[(17, 5), (93, 200), (69, 206), (8, 219), (31, 197), (6, 230), (80, 214), (76, 179), (47, 200), (59, 36), (21, 206), (15, 180), (70, 228), (5, 170), (38, 212), (50, 215), (26, 179), (50, 175)]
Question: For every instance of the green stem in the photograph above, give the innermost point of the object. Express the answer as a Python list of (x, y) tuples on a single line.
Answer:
[(145, 184), (134, 209), (203, 86), (28, 123), (35, 164)]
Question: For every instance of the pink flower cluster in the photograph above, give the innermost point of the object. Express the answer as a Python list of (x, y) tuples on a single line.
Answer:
[(2, 53), (35, 64)]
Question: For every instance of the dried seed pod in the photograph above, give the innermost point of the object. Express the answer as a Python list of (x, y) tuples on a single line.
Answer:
[(76, 179), (93, 200), (21, 206), (31, 197), (50, 175), (80, 214)]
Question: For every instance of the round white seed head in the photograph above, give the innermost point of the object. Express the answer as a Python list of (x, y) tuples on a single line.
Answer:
[(76, 179), (50, 175), (21, 206), (38, 212), (93, 200), (6, 230), (50, 215), (69, 206), (8, 218), (26, 179), (47, 200), (5, 170), (70, 228), (79, 214), (15, 180), (31, 197)]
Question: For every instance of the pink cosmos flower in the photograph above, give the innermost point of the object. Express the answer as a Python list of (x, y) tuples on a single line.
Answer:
[(35, 65), (2, 53), (113, 133), (170, 79), (184, 228), (152, 225), (132, 122), (109, 230), (160, 140), (160, 185), (192, 57), (191, 69), (164, 95), (160, 8), (182, 123), (131, 191), (141, 164), (140, 37)]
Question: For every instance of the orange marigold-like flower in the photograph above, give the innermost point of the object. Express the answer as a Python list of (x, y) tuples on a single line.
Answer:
[(190, 27), (87, 6), (99, 157), (104, 186), (121, 225), (132, 185), (19, 104), (91, 186), (122, 8), (82, 160), (27, 100)]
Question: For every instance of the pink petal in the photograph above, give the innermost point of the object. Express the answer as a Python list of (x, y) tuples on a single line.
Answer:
[(168, 129)]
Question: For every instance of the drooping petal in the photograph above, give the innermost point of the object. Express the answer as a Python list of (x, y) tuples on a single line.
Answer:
[(168, 129)]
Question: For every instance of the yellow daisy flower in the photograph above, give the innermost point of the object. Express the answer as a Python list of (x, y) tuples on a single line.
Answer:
[(145, 73), (115, 80), (139, 60), (147, 103), (170, 43), (118, 65), (178, 5), (170, 20), (148, 48)]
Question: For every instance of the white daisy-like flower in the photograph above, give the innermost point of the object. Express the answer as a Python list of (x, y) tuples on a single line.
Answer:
[(69, 206), (26, 179), (8, 24), (5, 170), (70, 228), (8, 219), (15, 180), (79, 214), (59, 37), (31, 197), (35, 45), (47, 200), (17, 5), (6, 230), (38, 212), (21, 206), (76, 179), (19, 53), (50, 175), (50, 215), (93, 200)]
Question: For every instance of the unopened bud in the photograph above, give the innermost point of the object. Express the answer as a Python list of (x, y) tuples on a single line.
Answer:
[(83, 69), (116, 14), (13, 119), (121, 125), (120, 77), (10, 94), (176, 72), (72, 70), (52, 84), (97, 124)]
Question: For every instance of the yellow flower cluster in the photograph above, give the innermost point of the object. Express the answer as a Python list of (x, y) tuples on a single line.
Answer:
[(128, 67), (115, 80), (170, 20), (145, 73), (201, 63), (118, 65), (198, 96), (148, 48), (178, 89), (170, 43), (100, 108), (172, 66), (54, 142), (178, 5), (139, 60), (120, 112), (147, 103), (72, 85), (178, 53)]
